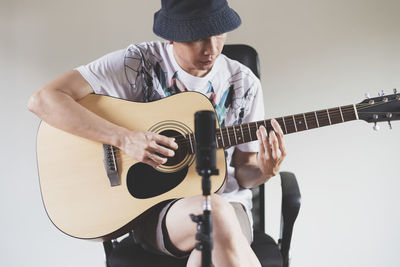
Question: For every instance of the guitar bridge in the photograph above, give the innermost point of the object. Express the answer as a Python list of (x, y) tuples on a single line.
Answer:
[(110, 164)]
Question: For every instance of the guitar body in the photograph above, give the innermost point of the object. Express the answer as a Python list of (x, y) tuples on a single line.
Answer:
[(76, 190), (83, 200)]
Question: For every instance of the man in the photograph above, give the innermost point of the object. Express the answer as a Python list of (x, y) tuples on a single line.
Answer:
[(196, 31)]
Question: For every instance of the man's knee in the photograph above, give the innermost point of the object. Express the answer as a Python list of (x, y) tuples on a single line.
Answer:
[(226, 225), (220, 207)]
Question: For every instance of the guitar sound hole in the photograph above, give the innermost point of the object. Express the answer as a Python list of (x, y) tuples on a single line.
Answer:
[(182, 150)]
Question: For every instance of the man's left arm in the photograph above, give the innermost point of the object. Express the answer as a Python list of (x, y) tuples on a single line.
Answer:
[(253, 169)]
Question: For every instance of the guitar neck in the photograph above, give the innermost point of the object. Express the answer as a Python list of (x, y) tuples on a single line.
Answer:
[(239, 134)]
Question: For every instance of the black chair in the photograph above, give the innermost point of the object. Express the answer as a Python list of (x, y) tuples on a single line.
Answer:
[(126, 253)]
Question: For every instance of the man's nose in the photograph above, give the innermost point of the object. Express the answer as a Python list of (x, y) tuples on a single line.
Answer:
[(211, 46)]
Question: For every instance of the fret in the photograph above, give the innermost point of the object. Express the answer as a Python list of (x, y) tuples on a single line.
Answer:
[(311, 120), (284, 124), (248, 126), (294, 122), (289, 124), (234, 133), (222, 137), (300, 123), (305, 120), (229, 140), (349, 113), (329, 117), (334, 114), (241, 130), (341, 113), (316, 118)]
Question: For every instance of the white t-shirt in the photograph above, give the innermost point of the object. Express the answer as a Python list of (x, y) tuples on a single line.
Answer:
[(148, 71)]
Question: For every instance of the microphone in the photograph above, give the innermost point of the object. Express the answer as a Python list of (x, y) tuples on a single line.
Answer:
[(204, 125)]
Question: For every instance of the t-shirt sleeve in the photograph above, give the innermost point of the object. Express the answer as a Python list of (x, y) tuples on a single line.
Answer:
[(106, 75), (255, 113)]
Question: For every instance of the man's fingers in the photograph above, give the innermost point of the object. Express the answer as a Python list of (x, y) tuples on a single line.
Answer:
[(277, 128), (166, 141), (154, 159), (275, 151), (260, 143), (156, 148), (265, 146), (162, 145)]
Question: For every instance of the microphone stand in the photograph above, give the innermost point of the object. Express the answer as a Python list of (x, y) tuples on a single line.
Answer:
[(205, 166), (204, 221)]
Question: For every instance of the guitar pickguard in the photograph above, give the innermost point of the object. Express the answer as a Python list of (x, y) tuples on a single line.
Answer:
[(143, 181)]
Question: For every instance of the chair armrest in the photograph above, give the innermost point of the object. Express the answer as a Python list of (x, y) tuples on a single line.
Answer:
[(291, 200)]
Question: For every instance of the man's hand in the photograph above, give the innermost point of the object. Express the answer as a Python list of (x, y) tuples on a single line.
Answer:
[(272, 149), (147, 147)]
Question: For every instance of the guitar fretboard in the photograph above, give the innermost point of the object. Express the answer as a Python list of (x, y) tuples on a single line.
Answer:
[(243, 133)]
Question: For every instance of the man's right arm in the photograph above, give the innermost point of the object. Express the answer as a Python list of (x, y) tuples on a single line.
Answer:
[(56, 103)]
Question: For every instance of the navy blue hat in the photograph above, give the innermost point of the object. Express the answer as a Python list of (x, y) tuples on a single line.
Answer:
[(189, 20)]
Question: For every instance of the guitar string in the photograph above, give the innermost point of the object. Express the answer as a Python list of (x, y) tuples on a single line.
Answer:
[(327, 113), (181, 140), (366, 105), (289, 123)]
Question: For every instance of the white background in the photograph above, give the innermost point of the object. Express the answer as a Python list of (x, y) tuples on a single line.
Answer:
[(314, 54)]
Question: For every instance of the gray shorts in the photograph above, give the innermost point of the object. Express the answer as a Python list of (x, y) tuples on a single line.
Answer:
[(151, 231)]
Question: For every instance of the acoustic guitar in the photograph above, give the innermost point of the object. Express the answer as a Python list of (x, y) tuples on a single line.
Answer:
[(95, 191)]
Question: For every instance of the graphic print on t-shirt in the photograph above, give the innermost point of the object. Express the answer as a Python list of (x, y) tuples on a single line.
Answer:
[(177, 86), (147, 70)]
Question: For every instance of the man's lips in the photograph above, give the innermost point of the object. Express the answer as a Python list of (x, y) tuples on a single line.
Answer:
[(205, 62)]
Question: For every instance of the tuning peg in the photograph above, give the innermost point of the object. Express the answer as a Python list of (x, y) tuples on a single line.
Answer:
[(367, 96), (381, 93), (389, 116), (376, 127)]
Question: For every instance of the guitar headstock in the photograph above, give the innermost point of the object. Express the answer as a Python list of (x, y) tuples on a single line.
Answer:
[(381, 108)]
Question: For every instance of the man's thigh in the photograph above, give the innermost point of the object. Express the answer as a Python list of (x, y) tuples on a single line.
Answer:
[(168, 229), (181, 229)]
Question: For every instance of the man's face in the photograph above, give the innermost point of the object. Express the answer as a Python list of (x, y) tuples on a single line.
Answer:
[(198, 57)]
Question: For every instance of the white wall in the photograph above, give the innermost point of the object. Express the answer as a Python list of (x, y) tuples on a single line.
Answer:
[(314, 54)]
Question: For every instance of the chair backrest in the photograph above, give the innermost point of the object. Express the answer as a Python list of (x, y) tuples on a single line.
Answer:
[(245, 54), (248, 56)]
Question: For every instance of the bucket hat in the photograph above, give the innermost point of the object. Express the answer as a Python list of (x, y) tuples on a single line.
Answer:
[(189, 20)]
